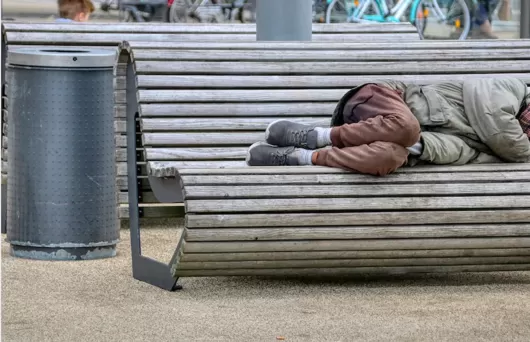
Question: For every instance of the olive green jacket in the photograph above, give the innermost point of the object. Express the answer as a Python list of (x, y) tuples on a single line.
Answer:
[(474, 121)]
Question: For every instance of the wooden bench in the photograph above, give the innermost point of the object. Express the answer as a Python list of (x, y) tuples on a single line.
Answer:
[(196, 86), (191, 117), (109, 36)]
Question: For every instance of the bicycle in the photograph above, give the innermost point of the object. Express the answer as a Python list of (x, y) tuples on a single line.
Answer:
[(211, 11), (431, 17)]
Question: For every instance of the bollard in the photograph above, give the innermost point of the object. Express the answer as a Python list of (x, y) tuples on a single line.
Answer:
[(525, 19), (61, 192), (281, 20)]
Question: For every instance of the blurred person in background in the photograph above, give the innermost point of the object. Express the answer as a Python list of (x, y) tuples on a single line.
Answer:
[(482, 13), (74, 10)]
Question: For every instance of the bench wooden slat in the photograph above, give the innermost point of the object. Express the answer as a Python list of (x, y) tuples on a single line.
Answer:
[(234, 177), (354, 245), (324, 170), (202, 139), (344, 178), (323, 204), (243, 95), (301, 81), (329, 263), (197, 153), (224, 124), (346, 233), (353, 191), (225, 163), (199, 28), (365, 45), (326, 55), (358, 219), (330, 67), (351, 271), (237, 109), (115, 38), (193, 164), (47, 45), (386, 254)]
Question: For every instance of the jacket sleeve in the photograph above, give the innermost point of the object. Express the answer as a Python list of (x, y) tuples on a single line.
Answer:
[(394, 85), (491, 106), (443, 149)]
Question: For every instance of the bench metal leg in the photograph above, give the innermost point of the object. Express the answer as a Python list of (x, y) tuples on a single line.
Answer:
[(3, 188), (144, 269), (4, 208)]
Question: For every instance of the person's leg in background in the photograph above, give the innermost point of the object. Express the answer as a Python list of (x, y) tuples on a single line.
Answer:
[(378, 128), (482, 18)]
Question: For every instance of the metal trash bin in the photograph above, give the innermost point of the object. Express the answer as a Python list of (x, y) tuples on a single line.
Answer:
[(61, 192)]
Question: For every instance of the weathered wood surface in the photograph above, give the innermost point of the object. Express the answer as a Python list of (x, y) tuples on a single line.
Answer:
[(385, 254), (202, 138), (330, 67), (242, 95), (196, 153), (366, 45), (116, 37), (236, 109), (362, 190), (317, 219), (320, 221), (351, 271), (326, 204), (327, 170), (149, 211), (198, 28), (352, 232), (326, 55), (278, 265), (287, 82), (323, 175), (16, 45), (223, 124), (355, 245)]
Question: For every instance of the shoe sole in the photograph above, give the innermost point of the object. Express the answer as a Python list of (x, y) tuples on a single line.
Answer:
[(267, 132)]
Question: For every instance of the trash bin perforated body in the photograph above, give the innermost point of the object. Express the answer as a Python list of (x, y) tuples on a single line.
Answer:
[(61, 192)]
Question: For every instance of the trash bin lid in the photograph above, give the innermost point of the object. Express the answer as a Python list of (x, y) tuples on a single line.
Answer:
[(62, 57)]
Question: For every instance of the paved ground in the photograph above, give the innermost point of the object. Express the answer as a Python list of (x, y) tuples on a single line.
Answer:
[(99, 301)]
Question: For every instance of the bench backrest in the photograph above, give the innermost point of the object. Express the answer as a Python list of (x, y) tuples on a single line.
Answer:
[(109, 36), (115, 33), (202, 109)]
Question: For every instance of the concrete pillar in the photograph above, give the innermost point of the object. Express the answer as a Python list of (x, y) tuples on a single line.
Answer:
[(525, 19), (283, 20)]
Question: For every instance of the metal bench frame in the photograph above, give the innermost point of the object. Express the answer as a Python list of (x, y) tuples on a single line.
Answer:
[(144, 268)]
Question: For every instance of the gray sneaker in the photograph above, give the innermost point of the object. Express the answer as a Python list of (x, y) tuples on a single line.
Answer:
[(262, 154), (287, 133)]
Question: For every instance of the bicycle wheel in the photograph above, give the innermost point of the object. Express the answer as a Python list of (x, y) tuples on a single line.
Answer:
[(441, 19), (367, 11), (337, 12)]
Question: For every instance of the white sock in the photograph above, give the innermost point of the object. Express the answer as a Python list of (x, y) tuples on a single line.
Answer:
[(304, 156), (323, 136), (416, 149)]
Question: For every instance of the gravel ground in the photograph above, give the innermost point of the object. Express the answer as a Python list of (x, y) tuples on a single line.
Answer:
[(100, 301)]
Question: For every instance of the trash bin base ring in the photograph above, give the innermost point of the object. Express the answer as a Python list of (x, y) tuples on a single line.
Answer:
[(61, 253)]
